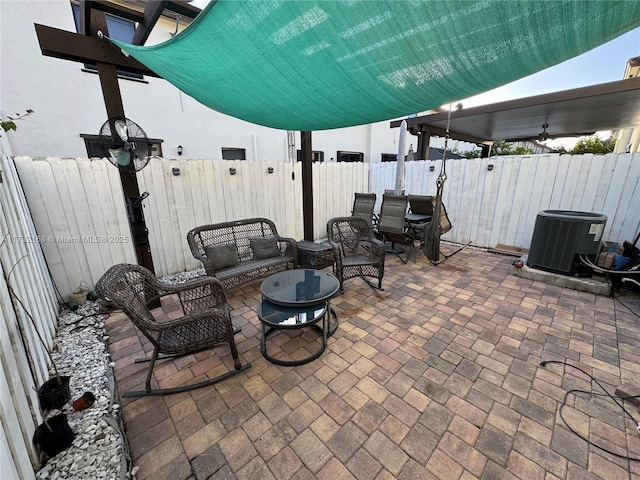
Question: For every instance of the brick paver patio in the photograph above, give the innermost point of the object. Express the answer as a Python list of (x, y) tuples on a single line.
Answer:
[(437, 377)]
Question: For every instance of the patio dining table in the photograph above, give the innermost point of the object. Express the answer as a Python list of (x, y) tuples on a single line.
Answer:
[(414, 219)]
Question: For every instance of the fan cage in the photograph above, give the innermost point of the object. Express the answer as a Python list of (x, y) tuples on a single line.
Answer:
[(131, 153)]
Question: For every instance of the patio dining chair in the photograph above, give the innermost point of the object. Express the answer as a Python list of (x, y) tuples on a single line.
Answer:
[(356, 250), (204, 323), (421, 204), (445, 222), (392, 226), (363, 205), (420, 213)]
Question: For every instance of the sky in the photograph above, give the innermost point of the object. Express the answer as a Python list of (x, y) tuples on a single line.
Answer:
[(603, 64)]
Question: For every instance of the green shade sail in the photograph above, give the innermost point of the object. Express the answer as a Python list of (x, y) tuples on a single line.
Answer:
[(316, 65)]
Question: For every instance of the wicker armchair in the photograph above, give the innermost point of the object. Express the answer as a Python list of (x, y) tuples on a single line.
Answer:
[(356, 250), (206, 320)]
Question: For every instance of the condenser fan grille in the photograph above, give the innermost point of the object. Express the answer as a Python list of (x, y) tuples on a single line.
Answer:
[(125, 144)]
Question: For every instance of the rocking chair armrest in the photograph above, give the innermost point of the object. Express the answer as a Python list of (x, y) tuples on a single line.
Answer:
[(192, 284), (221, 313), (377, 245)]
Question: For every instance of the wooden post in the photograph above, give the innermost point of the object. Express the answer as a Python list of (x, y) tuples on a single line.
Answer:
[(307, 184), (113, 103), (424, 139)]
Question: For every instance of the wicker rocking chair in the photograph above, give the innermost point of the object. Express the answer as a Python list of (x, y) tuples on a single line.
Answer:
[(356, 250), (206, 320)]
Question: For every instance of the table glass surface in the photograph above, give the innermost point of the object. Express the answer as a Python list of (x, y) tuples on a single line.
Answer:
[(291, 317), (299, 287)]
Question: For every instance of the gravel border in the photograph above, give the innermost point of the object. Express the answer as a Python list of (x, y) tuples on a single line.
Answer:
[(100, 449)]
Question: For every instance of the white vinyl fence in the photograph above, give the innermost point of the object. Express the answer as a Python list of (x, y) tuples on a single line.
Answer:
[(499, 206), (23, 358), (78, 205)]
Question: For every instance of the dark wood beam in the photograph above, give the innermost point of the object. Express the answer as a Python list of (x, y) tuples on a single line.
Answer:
[(152, 13), (85, 17), (441, 132), (81, 48), (427, 128), (307, 184), (424, 139)]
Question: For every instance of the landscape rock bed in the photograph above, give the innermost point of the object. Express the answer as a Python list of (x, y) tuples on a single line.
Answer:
[(99, 450)]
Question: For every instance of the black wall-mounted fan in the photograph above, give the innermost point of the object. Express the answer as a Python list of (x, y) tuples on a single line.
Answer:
[(125, 144)]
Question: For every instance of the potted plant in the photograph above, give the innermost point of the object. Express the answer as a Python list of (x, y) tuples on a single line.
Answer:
[(53, 435), (79, 296)]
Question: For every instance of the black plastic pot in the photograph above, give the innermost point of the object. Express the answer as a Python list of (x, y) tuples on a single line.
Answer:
[(54, 438), (54, 395)]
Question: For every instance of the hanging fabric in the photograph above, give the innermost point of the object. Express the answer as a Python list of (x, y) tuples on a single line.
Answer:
[(439, 221)]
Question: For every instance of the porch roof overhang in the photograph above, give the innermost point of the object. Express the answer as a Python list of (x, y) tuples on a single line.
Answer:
[(569, 113)]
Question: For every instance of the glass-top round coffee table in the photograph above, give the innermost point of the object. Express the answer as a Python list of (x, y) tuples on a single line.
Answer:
[(295, 299)]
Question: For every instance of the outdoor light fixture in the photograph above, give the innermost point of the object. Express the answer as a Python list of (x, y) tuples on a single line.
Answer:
[(543, 135), (490, 167), (179, 149), (232, 171), (270, 170), (175, 171)]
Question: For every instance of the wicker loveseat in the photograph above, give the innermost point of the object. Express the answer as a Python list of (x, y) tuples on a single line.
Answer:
[(242, 251)]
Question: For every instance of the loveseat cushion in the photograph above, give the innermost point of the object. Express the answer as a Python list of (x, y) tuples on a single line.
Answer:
[(222, 256), (264, 247)]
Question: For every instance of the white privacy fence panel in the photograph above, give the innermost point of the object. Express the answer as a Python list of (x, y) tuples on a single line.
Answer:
[(23, 360), (206, 192), (72, 202), (334, 188), (499, 206), (79, 207)]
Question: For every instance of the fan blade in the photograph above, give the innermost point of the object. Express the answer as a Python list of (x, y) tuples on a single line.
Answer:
[(121, 156), (121, 129)]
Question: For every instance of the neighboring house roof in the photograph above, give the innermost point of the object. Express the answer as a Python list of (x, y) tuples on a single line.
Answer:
[(437, 154)]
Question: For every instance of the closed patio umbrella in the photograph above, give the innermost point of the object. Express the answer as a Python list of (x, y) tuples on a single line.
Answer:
[(399, 187)]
